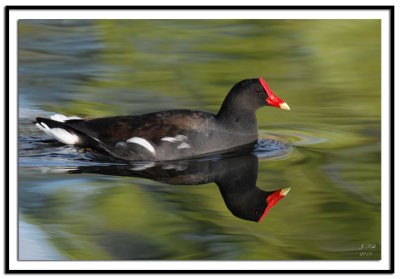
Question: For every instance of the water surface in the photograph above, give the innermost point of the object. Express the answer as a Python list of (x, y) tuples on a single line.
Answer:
[(79, 204)]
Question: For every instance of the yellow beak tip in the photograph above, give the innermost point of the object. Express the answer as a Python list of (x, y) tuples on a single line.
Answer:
[(285, 191), (284, 106)]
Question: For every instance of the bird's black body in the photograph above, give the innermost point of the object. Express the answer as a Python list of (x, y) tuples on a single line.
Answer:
[(169, 135)]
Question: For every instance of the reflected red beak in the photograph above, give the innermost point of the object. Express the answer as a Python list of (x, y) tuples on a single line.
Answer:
[(273, 100), (273, 199)]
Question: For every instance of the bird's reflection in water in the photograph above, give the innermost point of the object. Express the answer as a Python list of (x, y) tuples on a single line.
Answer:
[(235, 176)]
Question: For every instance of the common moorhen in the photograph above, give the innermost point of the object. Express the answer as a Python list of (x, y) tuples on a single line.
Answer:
[(172, 134)]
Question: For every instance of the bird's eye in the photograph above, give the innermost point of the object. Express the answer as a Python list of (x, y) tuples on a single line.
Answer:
[(257, 91)]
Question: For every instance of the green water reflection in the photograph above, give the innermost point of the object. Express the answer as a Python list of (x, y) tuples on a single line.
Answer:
[(328, 71)]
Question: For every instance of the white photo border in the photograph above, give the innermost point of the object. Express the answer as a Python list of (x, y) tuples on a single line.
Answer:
[(384, 13)]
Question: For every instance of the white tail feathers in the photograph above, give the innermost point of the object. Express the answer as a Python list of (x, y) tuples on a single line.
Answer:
[(62, 118), (58, 133)]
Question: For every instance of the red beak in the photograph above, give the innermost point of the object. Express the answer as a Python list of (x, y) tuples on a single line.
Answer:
[(273, 199), (273, 100)]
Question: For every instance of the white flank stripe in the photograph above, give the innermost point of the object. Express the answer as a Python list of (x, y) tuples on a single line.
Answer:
[(183, 145), (142, 142), (181, 137), (174, 139), (170, 139)]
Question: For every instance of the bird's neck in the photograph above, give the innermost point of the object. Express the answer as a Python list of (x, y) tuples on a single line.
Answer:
[(234, 116)]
